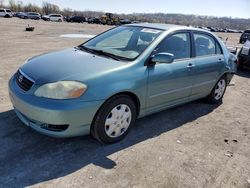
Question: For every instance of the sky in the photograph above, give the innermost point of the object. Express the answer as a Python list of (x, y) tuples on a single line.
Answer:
[(218, 8)]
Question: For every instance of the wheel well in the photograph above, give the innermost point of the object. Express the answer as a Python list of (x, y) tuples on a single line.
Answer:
[(130, 94), (133, 97), (228, 77)]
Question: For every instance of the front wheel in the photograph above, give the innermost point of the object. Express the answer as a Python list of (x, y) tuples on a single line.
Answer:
[(218, 91), (114, 120)]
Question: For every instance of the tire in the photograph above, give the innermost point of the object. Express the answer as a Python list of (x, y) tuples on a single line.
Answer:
[(7, 16), (114, 119), (218, 91)]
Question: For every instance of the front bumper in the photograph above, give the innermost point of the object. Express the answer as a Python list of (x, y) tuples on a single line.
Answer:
[(36, 112)]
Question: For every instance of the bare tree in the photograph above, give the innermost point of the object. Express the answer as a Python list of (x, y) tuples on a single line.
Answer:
[(13, 5), (50, 8), (1, 3)]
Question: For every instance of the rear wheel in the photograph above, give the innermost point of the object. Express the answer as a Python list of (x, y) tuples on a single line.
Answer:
[(218, 91), (114, 120)]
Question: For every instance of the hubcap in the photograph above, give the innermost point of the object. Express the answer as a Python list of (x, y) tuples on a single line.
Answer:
[(118, 121), (220, 88)]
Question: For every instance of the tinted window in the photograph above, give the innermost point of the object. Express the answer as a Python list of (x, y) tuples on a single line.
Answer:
[(2, 11), (8, 11), (204, 45), (177, 44)]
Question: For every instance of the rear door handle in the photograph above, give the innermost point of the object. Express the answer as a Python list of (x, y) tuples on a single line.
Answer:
[(220, 60)]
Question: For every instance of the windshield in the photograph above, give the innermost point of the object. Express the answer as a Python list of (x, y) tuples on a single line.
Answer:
[(125, 42)]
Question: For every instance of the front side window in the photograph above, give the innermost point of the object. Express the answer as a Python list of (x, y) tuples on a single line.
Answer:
[(204, 45), (177, 44), (125, 42)]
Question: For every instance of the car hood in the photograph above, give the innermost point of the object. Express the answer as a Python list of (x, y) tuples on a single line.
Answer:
[(69, 64)]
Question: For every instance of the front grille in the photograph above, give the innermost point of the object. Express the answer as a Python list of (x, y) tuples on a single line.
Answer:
[(23, 82)]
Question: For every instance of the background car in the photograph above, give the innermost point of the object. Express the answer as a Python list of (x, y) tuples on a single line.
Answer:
[(77, 19), (245, 35), (94, 20), (53, 17), (6, 13), (125, 21), (33, 15), (244, 56), (21, 15)]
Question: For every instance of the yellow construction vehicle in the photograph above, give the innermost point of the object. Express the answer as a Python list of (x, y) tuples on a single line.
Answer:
[(110, 19)]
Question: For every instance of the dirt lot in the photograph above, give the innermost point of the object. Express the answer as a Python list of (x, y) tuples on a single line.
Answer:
[(194, 145)]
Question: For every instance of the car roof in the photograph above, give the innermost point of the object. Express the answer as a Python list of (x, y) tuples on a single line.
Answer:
[(160, 26), (166, 27), (4, 9)]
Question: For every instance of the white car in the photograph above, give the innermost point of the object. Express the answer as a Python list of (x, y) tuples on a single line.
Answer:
[(6, 13), (53, 17)]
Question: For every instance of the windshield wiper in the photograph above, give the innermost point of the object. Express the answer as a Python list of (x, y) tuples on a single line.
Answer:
[(101, 52), (85, 49)]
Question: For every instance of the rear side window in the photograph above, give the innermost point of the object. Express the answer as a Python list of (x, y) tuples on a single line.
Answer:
[(218, 49), (2, 11), (204, 45), (177, 44)]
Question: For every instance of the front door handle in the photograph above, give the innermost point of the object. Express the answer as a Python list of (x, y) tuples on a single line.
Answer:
[(190, 66)]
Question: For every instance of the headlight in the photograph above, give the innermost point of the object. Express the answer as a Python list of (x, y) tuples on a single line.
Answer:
[(61, 90)]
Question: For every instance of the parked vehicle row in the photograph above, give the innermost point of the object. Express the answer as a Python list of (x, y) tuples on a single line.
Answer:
[(215, 29), (37, 16), (106, 19)]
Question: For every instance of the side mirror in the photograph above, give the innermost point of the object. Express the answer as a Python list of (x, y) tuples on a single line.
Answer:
[(162, 58)]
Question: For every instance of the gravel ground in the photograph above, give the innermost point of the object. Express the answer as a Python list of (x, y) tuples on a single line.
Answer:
[(194, 145)]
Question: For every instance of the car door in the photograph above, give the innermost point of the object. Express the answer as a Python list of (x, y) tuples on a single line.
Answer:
[(52, 18), (209, 62), (2, 13), (170, 84)]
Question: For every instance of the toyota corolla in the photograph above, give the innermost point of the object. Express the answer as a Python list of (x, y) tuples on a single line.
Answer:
[(103, 85)]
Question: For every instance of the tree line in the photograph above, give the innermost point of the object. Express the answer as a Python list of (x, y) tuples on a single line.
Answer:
[(180, 19)]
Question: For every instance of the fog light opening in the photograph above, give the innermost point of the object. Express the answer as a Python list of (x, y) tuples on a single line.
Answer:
[(56, 128)]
